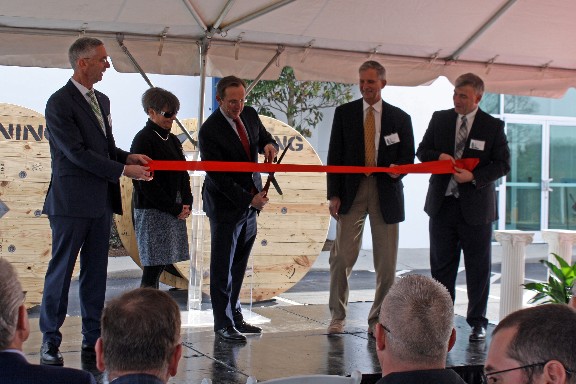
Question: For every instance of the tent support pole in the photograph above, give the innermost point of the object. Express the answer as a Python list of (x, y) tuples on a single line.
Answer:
[(203, 50), (454, 56), (120, 40), (279, 51)]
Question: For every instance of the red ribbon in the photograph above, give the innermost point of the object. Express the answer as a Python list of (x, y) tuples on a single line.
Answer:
[(434, 167)]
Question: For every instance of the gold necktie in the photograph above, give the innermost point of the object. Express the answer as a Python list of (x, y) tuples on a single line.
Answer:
[(369, 137)]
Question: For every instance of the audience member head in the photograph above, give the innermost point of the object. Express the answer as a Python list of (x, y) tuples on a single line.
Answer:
[(416, 325), (140, 334), (534, 345), (14, 327)]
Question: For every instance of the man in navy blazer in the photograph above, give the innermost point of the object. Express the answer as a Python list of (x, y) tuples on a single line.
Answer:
[(462, 211), (387, 141), (231, 200), (15, 330), (84, 191)]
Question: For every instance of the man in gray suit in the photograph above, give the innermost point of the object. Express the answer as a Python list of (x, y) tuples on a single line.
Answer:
[(84, 191)]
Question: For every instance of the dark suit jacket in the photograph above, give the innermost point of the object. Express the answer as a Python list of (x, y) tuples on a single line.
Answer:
[(14, 369), (227, 195), (478, 201), (86, 165), (347, 148)]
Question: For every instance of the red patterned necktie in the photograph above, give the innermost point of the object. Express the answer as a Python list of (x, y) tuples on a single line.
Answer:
[(243, 136)]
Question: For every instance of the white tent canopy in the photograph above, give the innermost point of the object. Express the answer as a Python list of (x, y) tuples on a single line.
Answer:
[(517, 46)]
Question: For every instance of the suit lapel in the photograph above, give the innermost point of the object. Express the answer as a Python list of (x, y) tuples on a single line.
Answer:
[(475, 131), (83, 103), (451, 124), (230, 136)]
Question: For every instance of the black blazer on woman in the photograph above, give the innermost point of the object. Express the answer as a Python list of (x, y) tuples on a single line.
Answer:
[(160, 193)]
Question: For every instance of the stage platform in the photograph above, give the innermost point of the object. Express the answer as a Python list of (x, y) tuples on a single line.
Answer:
[(294, 342)]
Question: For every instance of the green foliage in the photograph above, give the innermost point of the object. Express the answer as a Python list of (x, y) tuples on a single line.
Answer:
[(301, 101), (558, 289)]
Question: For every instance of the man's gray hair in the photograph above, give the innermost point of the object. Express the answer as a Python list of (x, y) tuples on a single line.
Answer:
[(140, 331), (81, 48), (419, 314), (472, 80), (543, 333), (11, 298), (371, 64)]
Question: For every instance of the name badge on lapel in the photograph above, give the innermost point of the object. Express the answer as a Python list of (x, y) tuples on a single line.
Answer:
[(477, 144), (392, 139)]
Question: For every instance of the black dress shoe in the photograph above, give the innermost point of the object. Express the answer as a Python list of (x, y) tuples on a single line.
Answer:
[(88, 348), (50, 355), (478, 333), (244, 327), (230, 334)]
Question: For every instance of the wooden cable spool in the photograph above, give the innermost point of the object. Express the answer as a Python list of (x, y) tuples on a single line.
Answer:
[(291, 230), (25, 235)]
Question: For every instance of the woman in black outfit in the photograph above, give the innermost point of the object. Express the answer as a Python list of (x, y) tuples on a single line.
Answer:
[(161, 206)]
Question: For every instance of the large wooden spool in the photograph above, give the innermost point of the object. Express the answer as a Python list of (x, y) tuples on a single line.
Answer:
[(291, 230), (25, 237)]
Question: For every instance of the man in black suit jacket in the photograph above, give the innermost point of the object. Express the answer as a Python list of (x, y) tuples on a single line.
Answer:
[(233, 132), (84, 191), (15, 330), (462, 211), (355, 196)]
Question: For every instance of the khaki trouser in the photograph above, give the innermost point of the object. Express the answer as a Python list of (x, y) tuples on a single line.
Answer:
[(346, 247)]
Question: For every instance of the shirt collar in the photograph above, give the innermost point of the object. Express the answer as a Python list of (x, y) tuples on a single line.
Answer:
[(469, 116), (377, 106), (80, 87)]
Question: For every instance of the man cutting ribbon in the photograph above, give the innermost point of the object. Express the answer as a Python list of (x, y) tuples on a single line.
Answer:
[(233, 133)]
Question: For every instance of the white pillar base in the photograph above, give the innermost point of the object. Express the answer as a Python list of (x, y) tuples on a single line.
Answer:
[(513, 257)]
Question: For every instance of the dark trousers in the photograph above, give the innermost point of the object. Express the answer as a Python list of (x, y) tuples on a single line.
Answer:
[(71, 235), (231, 246), (449, 236)]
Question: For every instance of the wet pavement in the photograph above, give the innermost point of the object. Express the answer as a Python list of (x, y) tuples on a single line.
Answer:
[(294, 341)]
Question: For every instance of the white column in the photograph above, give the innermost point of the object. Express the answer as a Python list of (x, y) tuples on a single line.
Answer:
[(513, 256), (559, 242)]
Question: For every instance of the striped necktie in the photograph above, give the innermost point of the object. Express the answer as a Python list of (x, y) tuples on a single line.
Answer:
[(458, 150), (96, 109)]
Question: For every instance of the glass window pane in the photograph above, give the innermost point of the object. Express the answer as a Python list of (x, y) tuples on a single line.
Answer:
[(562, 202), (523, 183), (490, 103), (527, 105)]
